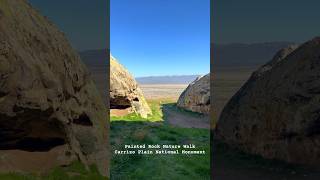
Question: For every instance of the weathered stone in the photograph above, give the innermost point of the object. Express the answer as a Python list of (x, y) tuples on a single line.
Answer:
[(47, 98), (124, 91), (276, 114), (196, 97)]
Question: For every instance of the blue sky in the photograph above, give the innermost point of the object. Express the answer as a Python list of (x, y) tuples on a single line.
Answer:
[(249, 21), (161, 37), (83, 21)]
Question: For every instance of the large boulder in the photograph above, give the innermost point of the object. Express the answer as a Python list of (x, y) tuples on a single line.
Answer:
[(196, 97), (50, 108), (276, 114), (124, 91)]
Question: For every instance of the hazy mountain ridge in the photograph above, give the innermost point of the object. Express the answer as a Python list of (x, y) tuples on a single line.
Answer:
[(240, 54), (233, 54)]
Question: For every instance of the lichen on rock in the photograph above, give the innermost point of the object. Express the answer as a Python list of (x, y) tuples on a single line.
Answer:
[(196, 97)]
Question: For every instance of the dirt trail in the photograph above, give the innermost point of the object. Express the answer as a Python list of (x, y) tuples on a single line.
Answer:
[(24, 161), (184, 120)]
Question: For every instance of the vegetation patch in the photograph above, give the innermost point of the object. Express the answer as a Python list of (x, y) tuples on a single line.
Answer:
[(179, 166), (156, 108)]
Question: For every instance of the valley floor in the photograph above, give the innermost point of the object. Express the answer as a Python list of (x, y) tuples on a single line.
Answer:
[(162, 91)]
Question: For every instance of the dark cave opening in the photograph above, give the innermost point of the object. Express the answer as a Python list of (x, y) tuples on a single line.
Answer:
[(119, 106), (33, 144), (31, 130), (120, 103)]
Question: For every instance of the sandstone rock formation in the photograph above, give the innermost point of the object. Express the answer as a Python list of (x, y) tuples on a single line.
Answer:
[(196, 97), (124, 91), (49, 106), (276, 113)]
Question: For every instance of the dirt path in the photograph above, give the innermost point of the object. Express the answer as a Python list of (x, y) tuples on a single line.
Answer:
[(181, 119), (23, 161)]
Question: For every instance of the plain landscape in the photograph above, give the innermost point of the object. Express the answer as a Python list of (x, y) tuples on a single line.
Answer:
[(159, 91), (227, 81)]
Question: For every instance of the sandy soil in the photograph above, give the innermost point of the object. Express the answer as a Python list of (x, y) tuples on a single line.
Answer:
[(120, 112), (24, 161), (161, 91)]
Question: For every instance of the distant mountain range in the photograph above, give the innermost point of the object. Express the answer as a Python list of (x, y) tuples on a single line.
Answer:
[(183, 79), (238, 54), (225, 55), (97, 59)]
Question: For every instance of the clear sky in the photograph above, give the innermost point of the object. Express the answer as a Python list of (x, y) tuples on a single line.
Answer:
[(248, 21), (83, 21), (161, 37)]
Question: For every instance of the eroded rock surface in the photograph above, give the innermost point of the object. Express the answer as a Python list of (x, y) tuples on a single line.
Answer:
[(48, 102), (276, 113), (124, 91), (196, 97)]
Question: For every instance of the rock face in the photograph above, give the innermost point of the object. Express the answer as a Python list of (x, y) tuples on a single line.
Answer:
[(276, 113), (124, 91), (196, 97), (48, 101)]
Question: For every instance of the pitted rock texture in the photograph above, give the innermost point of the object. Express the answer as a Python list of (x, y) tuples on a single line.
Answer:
[(47, 98), (276, 114), (124, 91), (196, 97)]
